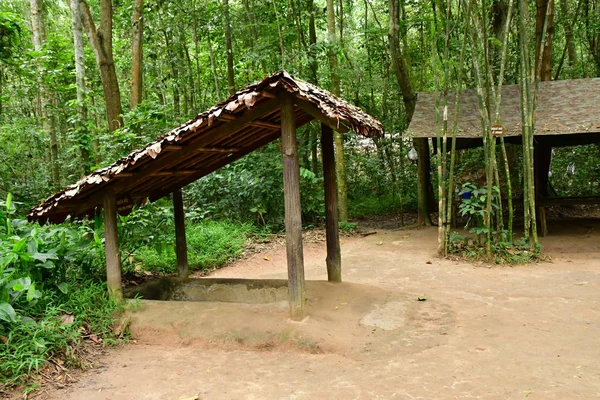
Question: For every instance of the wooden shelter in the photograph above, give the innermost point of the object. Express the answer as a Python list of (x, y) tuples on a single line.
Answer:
[(567, 114), (248, 120)]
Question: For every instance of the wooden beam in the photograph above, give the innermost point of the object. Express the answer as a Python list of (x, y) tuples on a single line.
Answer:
[(122, 175), (218, 150), (258, 122), (293, 212), (180, 240), (334, 257), (212, 167), (163, 161), (111, 247), (314, 111), (175, 147), (175, 172)]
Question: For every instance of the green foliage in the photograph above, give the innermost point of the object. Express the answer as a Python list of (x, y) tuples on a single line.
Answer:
[(47, 331), (504, 252), (473, 205), (575, 171), (368, 206), (211, 244), (40, 283), (348, 227)]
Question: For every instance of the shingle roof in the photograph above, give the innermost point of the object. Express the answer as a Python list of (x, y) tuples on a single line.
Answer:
[(563, 107)]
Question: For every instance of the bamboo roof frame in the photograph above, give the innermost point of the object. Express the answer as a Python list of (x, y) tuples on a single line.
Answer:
[(224, 133)]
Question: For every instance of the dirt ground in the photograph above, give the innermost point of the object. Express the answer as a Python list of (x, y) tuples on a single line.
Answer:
[(484, 332)]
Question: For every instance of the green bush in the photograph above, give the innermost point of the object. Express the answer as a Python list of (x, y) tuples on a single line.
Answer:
[(367, 206), (46, 331), (45, 305), (211, 244)]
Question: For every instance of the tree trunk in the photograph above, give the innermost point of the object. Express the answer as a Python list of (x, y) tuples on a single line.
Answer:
[(86, 162), (409, 98), (546, 57), (228, 49), (313, 66), (213, 66), (572, 54), (101, 40), (38, 29), (338, 137), (172, 57), (137, 35)]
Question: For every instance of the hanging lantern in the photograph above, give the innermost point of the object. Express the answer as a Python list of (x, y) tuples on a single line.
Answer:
[(413, 155)]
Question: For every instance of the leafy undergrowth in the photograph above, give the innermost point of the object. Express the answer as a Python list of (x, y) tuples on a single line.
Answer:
[(504, 252), (51, 301), (369, 206), (211, 244), (58, 333)]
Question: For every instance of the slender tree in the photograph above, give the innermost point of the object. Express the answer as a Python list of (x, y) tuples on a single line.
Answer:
[(137, 36), (38, 29), (228, 48), (80, 85), (409, 97), (340, 163), (101, 40)]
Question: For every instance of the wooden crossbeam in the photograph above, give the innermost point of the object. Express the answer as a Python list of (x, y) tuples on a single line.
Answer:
[(177, 172), (218, 150), (176, 147), (258, 122)]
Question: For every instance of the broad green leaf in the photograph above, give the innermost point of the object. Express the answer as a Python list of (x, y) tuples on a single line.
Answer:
[(20, 245), (43, 257), (28, 321), (63, 287), (7, 313), (8, 203), (31, 292), (18, 287)]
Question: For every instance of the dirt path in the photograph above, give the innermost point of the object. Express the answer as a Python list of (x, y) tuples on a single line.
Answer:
[(492, 333)]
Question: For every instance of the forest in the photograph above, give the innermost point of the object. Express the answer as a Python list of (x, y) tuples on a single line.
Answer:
[(85, 82)]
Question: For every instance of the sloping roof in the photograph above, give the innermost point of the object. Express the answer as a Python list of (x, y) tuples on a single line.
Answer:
[(226, 132), (563, 107)]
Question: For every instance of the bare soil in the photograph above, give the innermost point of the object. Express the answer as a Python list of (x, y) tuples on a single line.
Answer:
[(484, 332)]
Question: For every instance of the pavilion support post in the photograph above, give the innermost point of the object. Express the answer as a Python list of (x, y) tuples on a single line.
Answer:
[(293, 212), (180, 240), (111, 247), (334, 257), (542, 154)]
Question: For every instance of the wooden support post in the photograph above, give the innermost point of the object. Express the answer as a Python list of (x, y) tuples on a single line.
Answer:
[(293, 212), (334, 257), (180, 241), (111, 247), (542, 157)]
